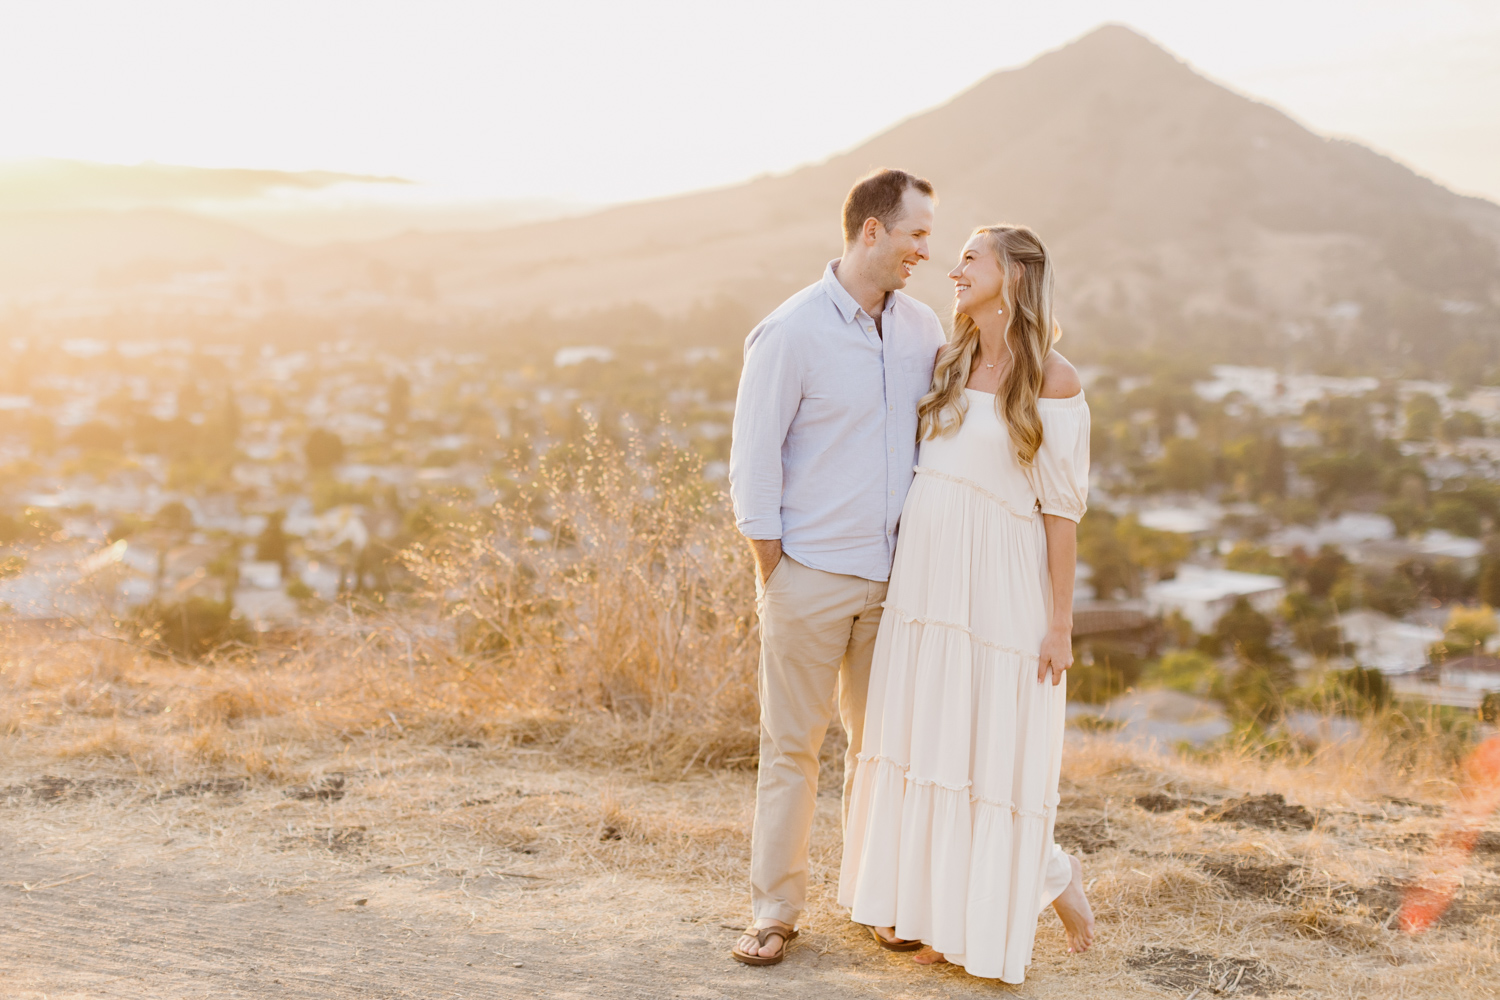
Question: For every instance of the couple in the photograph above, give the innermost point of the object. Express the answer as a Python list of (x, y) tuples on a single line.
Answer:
[(945, 667)]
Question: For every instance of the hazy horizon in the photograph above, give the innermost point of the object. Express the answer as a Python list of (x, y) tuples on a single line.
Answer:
[(695, 99)]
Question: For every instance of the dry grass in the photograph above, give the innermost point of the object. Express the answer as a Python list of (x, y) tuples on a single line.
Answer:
[(613, 590), (583, 709), (503, 793)]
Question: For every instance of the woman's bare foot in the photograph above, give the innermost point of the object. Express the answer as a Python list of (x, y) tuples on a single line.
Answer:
[(774, 943), (929, 957), (1073, 907)]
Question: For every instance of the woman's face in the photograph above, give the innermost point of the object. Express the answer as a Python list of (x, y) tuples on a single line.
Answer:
[(978, 280)]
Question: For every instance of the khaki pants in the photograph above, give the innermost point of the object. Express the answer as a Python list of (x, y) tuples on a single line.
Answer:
[(817, 633)]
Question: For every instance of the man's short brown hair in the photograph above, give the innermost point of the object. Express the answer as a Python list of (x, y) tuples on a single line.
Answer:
[(878, 196)]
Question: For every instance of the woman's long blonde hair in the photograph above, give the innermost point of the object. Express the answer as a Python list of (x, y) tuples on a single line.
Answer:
[(1030, 331)]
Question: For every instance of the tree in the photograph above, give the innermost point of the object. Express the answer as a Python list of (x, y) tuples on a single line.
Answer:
[(1489, 577), (189, 628), (1186, 466), (174, 517), (1367, 687), (1312, 624), (270, 545), (1187, 670), (97, 436), (1245, 631), (324, 450), (1468, 629), (227, 422), (1422, 416), (1121, 550), (1324, 570), (175, 520), (1272, 467), (1462, 424), (1157, 552), (1246, 557), (398, 404)]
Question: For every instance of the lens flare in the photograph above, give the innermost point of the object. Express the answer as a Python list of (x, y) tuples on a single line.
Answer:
[(1426, 902)]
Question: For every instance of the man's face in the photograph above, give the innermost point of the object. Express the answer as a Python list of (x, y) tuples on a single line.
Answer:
[(899, 249)]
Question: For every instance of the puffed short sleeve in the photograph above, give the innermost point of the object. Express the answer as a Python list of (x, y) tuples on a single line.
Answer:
[(1060, 472)]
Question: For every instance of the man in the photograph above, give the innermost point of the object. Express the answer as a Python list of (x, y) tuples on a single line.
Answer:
[(825, 432)]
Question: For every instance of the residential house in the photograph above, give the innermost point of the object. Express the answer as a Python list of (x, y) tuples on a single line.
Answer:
[(1202, 595), (1478, 672), (1388, 645)]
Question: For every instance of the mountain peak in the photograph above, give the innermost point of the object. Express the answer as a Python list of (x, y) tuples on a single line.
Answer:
[(1110, 49)]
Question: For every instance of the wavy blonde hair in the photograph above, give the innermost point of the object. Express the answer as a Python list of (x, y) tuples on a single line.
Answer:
[(1030, 331)]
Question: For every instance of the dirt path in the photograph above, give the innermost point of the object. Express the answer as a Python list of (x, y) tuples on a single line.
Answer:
[(391, 869), (192, 925), (119, 890)]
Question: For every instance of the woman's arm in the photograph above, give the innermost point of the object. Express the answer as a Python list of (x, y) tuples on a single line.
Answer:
[(1062, 559)]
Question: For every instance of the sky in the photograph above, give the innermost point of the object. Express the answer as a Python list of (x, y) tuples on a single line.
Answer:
[(593, 102)]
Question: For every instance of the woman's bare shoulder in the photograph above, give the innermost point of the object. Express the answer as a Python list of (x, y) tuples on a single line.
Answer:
[(1059, 378)]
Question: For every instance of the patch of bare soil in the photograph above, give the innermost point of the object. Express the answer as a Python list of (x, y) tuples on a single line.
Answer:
[(1254, 880), (213, 786), (1412, 805), (1084, 835), (332, 838), (1160, 802), (1270, 811), (1470, 903), (330, 789), (52, 788), (1216, 975)]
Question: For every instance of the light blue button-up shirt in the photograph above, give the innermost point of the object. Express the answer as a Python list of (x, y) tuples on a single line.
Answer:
[(825, 426)]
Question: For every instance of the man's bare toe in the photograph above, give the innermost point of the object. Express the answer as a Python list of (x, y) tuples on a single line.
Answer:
[(775, 942), (929, 957)]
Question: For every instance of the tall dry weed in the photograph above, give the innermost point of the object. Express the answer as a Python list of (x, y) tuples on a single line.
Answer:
[(612, 589)]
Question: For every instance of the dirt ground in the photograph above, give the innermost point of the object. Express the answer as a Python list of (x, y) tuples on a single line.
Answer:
[(396, 869)]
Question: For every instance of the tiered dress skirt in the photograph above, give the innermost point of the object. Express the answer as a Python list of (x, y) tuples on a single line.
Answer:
[(949, 832)]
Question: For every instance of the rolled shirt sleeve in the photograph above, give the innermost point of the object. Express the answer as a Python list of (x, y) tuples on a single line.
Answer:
[(770, 392)]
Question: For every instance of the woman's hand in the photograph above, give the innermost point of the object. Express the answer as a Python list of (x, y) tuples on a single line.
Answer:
[(1056, 655)]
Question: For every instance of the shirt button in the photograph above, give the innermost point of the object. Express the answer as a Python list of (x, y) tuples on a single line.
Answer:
[(893, 492)]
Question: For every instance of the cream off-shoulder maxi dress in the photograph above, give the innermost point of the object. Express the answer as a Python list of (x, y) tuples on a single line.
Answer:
[(949, 832)]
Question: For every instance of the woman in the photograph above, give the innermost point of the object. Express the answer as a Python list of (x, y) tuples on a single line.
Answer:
[(949, 838)]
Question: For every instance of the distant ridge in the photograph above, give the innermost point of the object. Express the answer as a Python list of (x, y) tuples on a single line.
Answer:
[(1185, 218), (1181, 214), (73, 185)]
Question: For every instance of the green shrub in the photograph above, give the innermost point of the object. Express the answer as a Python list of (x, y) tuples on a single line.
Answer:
[(1101, 670), (1093, 683), (191, 628), (1365, 688), (1188, 670), (1254, 694), (297, 590)]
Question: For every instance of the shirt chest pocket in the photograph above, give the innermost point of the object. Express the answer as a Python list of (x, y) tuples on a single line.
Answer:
[(916, 377)]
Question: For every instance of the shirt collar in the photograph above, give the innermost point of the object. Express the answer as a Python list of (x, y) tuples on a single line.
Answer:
[(847, 307)]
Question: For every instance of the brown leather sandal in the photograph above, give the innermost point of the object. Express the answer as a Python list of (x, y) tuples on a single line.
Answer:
[(762, 935), (891, 944)]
